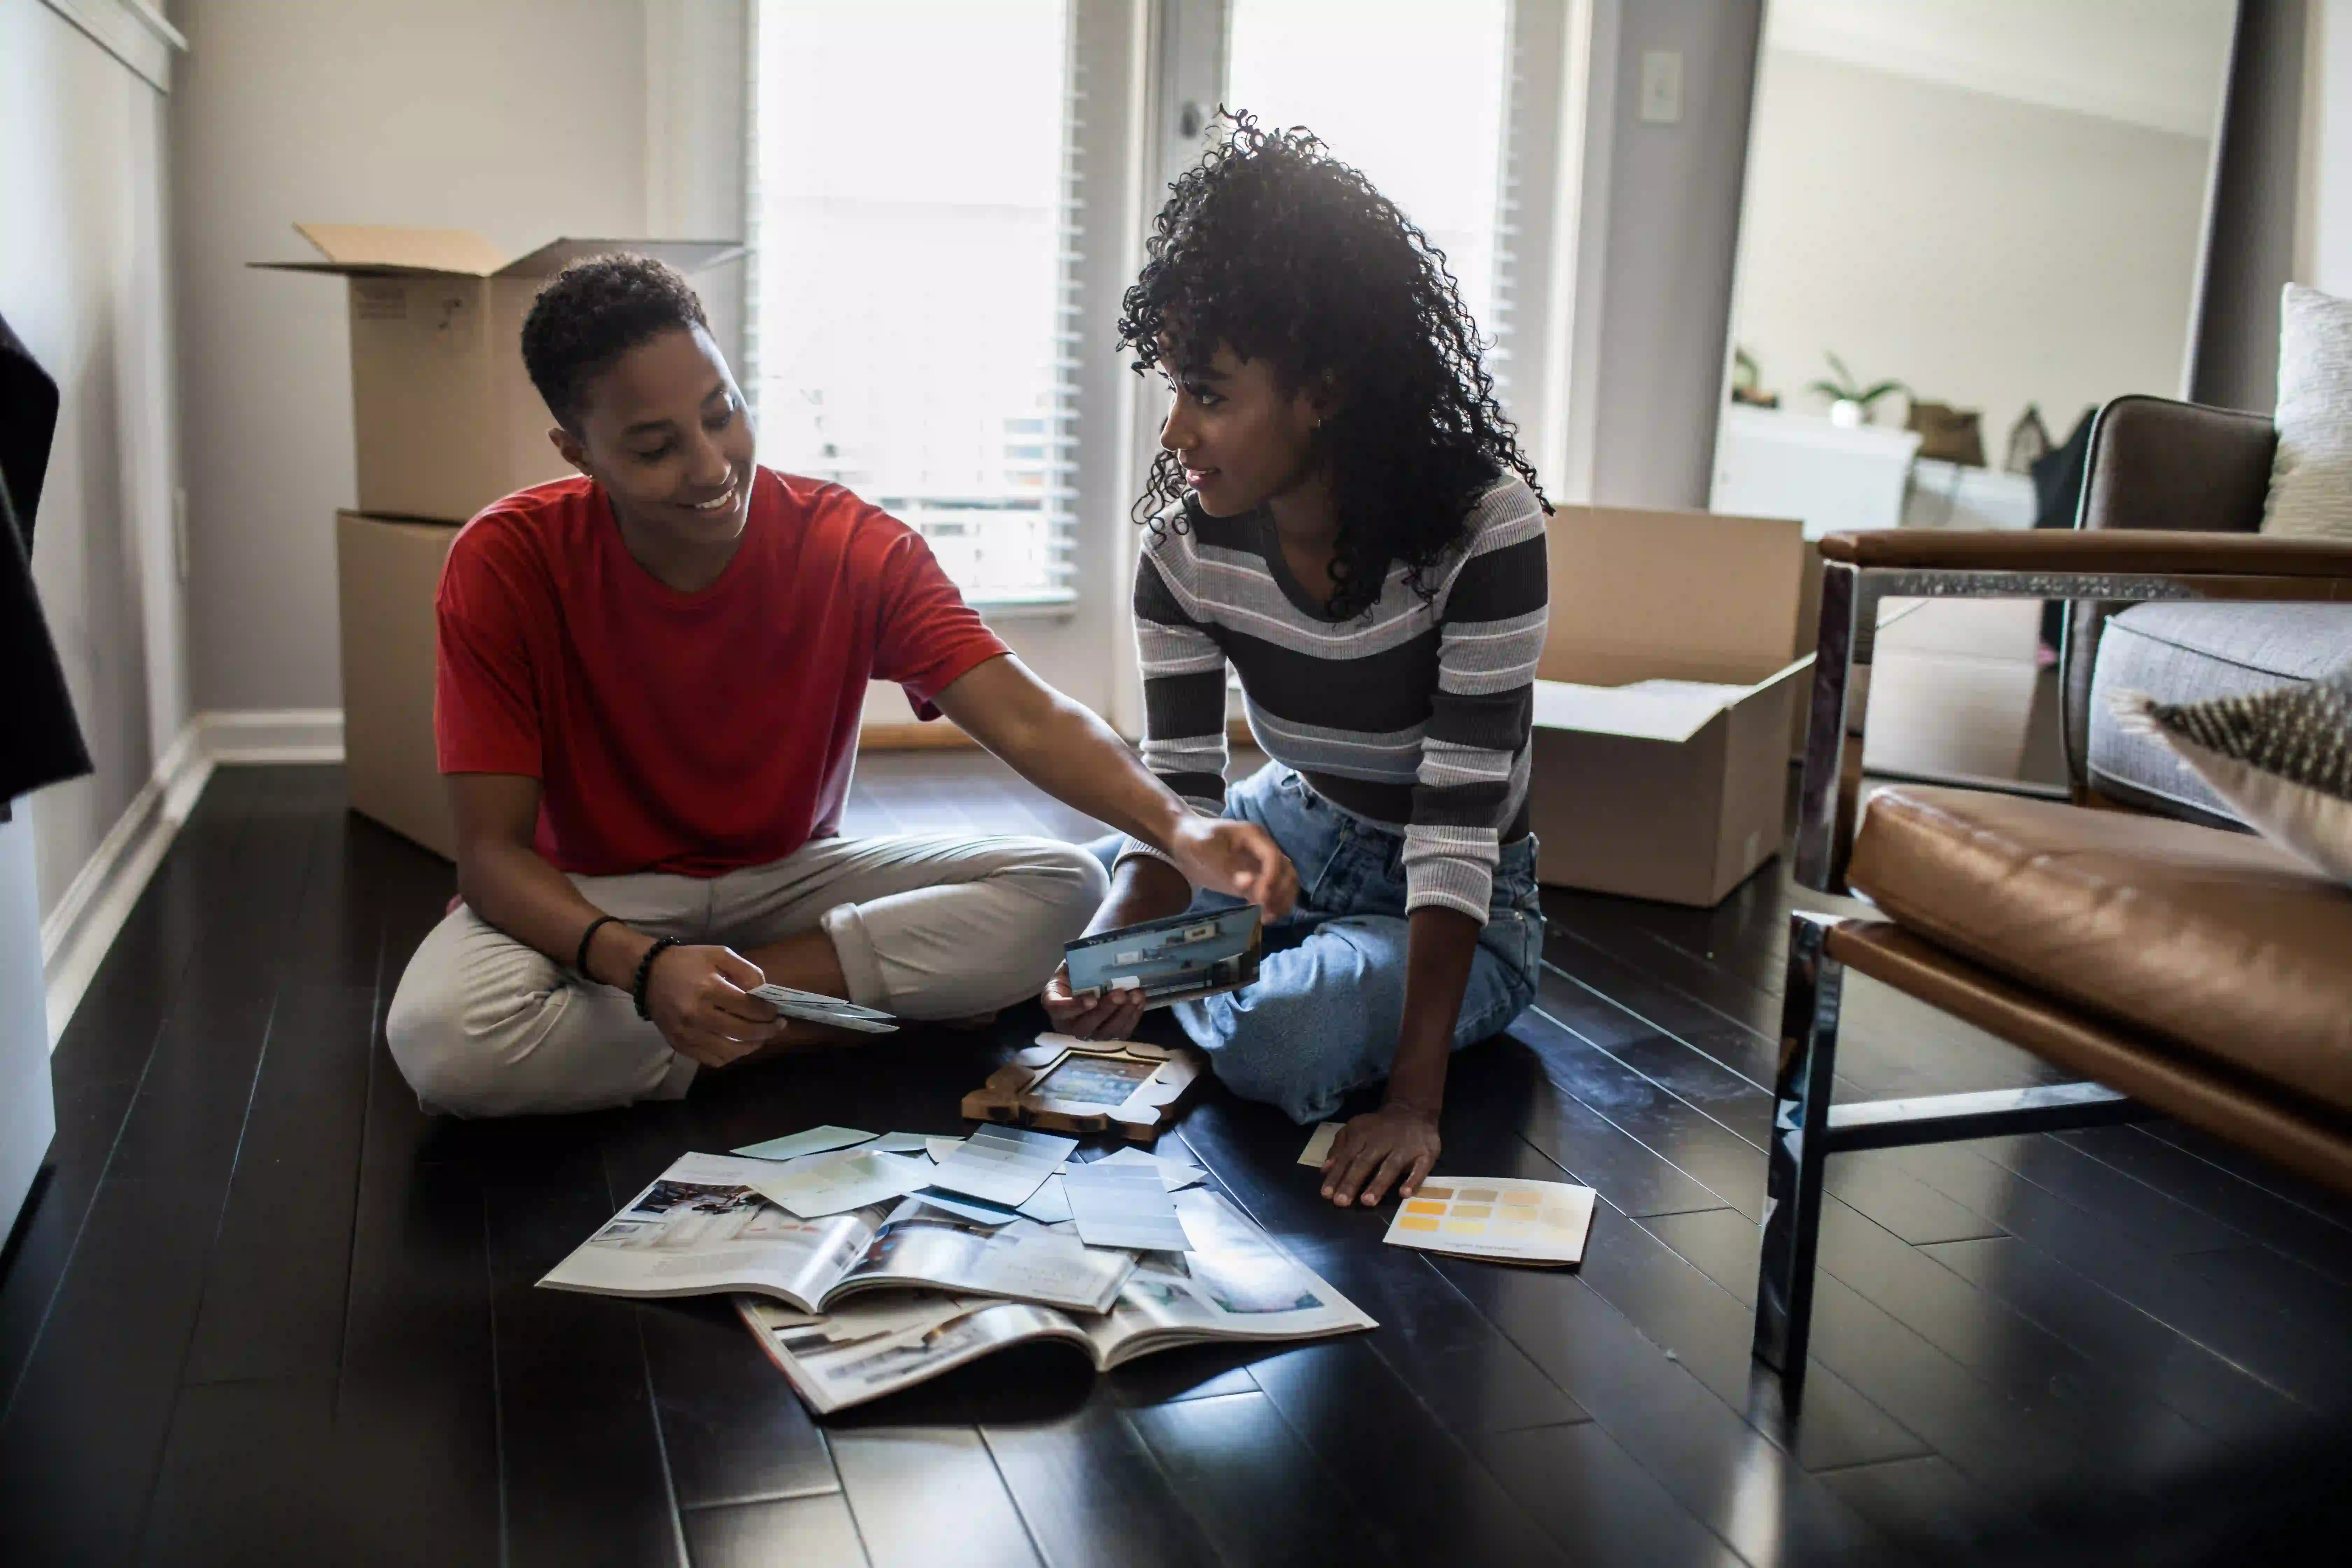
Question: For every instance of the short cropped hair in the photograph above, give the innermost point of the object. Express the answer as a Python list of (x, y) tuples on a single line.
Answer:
[(592, 313)]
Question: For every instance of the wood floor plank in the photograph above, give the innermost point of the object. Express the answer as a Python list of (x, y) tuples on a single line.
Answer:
[(1538, 1056), (2021, 1438), (928, 1495), (1675, 1306), (1930, 1509), (1091, 1493), (582, 1472), (2315, 1369), (1399, 1469), (2319, 1240), (2207, 1388), (805, 1532), (1723, 1470), (1254, 1489), (1600, 1506), (274, 1295), (1443, 1349), (734, 1430), (83, 1435)]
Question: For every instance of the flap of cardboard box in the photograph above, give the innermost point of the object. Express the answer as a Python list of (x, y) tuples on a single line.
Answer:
[(353, 249), (1684, 594), (686, 255), (1652, 709)]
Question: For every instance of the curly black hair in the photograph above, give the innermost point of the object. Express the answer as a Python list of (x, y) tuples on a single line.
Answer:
[(1275, 249), (592, 313)]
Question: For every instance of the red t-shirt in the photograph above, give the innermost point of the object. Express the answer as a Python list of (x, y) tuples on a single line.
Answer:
[(694, 733)]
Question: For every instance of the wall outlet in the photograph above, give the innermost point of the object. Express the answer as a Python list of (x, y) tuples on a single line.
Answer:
[(1661, 87)]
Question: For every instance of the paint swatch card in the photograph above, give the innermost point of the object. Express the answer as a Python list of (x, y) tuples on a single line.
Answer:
[(1049, 1205), (1174, 1174), (939, 1149), (1118, 1204), (1504, 1218), (899, 1143), (833, 1184), (815, 1140), (1001, 1164), (1318, 1148), (817, 1008)]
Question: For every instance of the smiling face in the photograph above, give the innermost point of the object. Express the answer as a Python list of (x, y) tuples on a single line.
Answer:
[(1242, 436), (664, 430)]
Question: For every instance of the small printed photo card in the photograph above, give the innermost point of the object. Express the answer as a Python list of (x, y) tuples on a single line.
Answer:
[(815, 1007), (1001, 1164), (1503, 1218), (815, 1140), (1119, 1204)]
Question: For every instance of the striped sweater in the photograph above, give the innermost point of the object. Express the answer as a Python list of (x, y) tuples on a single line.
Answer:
[(1412, 714)]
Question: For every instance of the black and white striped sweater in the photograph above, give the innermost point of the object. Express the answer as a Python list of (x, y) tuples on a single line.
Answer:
[(1412, 714)]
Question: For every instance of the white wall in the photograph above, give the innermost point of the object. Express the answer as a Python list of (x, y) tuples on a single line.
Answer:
[(1988, 251), (82, 282), (523, 121)]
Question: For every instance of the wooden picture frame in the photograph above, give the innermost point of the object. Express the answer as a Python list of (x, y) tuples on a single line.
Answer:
[(1156, 1079)]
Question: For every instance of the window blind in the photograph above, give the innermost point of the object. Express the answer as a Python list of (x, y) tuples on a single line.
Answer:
[(914, 318)]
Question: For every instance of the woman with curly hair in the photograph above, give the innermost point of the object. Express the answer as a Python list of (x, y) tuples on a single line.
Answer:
[(1340, 511)]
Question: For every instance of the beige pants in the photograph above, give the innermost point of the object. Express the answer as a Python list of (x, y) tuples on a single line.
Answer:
[(926, 927)]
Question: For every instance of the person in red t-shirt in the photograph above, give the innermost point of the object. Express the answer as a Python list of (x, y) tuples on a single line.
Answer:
[(646, 707)]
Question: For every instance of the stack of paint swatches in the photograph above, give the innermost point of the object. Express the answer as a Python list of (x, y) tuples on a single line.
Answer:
[(1503, 1218)]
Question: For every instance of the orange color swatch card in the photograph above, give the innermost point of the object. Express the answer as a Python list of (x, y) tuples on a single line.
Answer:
[(1504, 1218)]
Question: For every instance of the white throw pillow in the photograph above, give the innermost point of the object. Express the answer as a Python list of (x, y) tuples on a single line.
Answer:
[(2311, 478), (2283, 757)]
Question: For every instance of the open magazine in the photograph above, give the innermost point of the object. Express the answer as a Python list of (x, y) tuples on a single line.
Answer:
[(1233, 1285), (701, 1227)]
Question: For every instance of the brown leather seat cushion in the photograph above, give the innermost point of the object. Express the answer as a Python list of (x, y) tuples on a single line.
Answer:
[(2211, 940)]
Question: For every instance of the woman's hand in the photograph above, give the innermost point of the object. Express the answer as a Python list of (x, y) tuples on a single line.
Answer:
[(697, 995), (1395, 1144), (1236, 857), (1091, 1014)]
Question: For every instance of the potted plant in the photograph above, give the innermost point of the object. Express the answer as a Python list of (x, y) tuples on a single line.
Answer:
[(1851, 402)]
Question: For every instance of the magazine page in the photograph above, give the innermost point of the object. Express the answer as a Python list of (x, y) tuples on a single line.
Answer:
[(1233, 1284), (884, 1344), (700, 1227), (949, 1247)]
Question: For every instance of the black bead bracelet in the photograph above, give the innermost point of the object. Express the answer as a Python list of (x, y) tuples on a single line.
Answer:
[(580, 959), (644, 971)]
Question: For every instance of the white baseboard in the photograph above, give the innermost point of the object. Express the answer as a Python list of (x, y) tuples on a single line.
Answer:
[(82, 928), (273, 735)]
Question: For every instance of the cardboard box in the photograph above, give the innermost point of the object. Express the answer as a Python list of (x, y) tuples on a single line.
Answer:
[(1662, 705), (387, 571), (446, 419)]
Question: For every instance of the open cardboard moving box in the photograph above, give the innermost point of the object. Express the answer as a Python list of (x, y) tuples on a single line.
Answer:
[(386, 572), (446, 419), (1663, 699)]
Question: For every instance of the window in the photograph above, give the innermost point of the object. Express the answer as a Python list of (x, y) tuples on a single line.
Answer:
[(1417, 108), (913, 296)]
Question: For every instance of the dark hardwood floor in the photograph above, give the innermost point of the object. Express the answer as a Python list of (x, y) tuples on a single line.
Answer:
[(266, 1311)]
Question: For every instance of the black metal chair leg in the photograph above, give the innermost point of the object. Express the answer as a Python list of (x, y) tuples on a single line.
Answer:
[(1794, 1162)]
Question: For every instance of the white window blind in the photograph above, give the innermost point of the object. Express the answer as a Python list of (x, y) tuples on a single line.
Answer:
[(914, 307)]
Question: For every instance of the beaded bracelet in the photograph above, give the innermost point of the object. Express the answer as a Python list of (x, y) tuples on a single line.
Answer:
[(644, 971), (580, 959)]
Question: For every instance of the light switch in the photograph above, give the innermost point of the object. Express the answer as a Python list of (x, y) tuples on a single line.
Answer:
[(1661, 87)]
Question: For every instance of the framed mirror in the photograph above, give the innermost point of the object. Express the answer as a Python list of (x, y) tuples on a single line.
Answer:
[(1965, 224)]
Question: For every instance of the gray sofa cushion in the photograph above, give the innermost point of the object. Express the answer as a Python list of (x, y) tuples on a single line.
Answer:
[(2188, 653)]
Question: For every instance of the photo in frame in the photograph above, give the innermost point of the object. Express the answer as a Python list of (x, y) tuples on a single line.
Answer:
[(1064, 1084)]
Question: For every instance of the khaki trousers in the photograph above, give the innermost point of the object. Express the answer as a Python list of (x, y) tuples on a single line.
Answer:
[(926, 927)]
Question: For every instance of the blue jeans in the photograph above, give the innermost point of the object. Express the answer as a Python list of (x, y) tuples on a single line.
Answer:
[(1321, 1018)]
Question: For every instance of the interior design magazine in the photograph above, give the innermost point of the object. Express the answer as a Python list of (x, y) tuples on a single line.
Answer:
[(1231, 1284), (703, 1228)]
